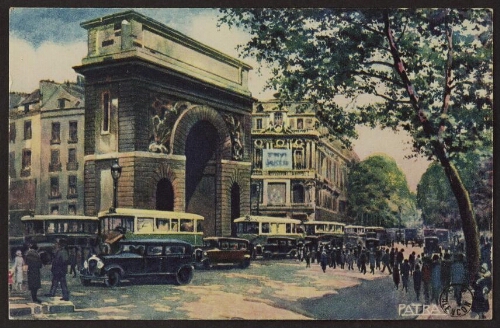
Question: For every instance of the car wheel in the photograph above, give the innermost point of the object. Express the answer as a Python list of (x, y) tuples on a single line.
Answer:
[(85, 282), (245, 263), (113, 279), (293, 254), (206, 264), (184, 275)]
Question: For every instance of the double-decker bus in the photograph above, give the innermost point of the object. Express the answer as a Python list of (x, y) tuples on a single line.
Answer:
[(379, 233), (328, 230), (354, 235), (80, 232), (132, 223), (257, 229), (444, 237)]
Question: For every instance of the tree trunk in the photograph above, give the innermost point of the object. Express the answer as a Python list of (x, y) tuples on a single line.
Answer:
[(469, 225)]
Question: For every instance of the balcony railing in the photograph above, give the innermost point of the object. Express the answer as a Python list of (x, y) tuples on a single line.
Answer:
[(292, 173), (54, 167), (72, 166)]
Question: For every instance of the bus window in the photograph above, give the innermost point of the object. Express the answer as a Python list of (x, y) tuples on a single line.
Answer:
[(224, 245), (288, 228), (187, 225), (144, 224), (199, 226), (265, 228), (175, 225), (163, 224)]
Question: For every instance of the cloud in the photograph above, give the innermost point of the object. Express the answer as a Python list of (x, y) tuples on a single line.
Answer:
[(50, 61)]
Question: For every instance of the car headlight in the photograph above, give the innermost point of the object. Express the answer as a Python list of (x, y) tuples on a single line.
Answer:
[(86, 264), (205, 253)]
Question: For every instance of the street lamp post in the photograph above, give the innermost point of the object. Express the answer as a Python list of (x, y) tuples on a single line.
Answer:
[(116, 172)]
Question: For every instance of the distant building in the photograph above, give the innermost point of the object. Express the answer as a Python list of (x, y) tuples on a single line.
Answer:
[(297, 171), (46, 130)]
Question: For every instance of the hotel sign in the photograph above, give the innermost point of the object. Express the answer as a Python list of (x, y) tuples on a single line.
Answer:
[(277, 159)]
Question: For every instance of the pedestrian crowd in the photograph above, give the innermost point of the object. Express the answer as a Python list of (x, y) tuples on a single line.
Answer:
[(64, 259), (428, 274)]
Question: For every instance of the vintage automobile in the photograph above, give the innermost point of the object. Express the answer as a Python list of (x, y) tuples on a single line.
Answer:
[(152, 258), (372, 243), (223, 250), (280, 247), (431, 245)]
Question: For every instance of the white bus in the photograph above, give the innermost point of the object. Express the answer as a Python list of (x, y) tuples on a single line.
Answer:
[(316, 228), (258, 228), (133, 223)]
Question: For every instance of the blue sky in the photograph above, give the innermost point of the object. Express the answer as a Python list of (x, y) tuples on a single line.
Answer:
[(62, 25), (45, 43)]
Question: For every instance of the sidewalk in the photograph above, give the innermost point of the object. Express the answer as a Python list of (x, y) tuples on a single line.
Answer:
[(20, 304)]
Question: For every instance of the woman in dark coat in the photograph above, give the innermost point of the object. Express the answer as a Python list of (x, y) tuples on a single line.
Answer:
[(482, 286), (34, 263), (395, 276)]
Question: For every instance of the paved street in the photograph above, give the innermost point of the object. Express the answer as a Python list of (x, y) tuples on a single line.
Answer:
[(274, 289)]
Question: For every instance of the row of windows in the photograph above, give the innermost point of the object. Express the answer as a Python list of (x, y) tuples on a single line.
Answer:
[(54, 165), (55, 191), (277, 119), (55, 135), (55, 209)]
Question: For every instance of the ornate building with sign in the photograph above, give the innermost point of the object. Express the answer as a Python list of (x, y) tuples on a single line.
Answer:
[(297, 170), (174, 112), (46, 151)]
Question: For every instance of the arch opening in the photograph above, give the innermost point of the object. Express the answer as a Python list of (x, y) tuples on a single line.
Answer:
[(164, 195)]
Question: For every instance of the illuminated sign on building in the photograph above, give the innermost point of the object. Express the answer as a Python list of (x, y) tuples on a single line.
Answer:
[(277, 159)]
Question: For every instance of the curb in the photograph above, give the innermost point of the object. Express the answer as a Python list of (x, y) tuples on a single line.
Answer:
[(26, 309)]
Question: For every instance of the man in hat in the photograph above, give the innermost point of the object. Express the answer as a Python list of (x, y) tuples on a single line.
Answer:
[(34, 263), (59, 270)]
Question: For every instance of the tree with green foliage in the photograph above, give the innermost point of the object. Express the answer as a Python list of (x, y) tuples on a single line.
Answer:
[(439, 206), (429, 72), (378, 193)]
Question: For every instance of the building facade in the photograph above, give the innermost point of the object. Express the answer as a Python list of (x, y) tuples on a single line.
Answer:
[(297, 172), (175, 113), (46, 151)]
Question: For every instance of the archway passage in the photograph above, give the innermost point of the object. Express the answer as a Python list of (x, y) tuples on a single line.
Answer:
[(164, 195), (201, 160), (235, 206)]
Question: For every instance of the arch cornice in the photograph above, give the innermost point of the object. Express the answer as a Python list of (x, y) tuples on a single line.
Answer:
[(193, 115)]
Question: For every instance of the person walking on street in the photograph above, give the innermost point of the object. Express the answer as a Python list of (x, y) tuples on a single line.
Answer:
[(395, 276), (72, 260), (18, 270), (371, 259), (411, 260), (362, 261), (324, 260), (457, 277), (405, 274), (417, 281), (436, 279), (426, 279), (399, 258), (378, 257), (350, 260), (482, 287), (59, 270), (34, 263), (342, 259), (307, 257), (446, 270), (386, 261), (392, 258)]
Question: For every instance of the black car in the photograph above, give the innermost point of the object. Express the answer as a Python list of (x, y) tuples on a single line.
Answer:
[(280, 247), (431, 245), (141, 258)]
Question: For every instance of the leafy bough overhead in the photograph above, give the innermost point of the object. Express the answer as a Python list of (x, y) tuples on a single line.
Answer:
[(427, 71)]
